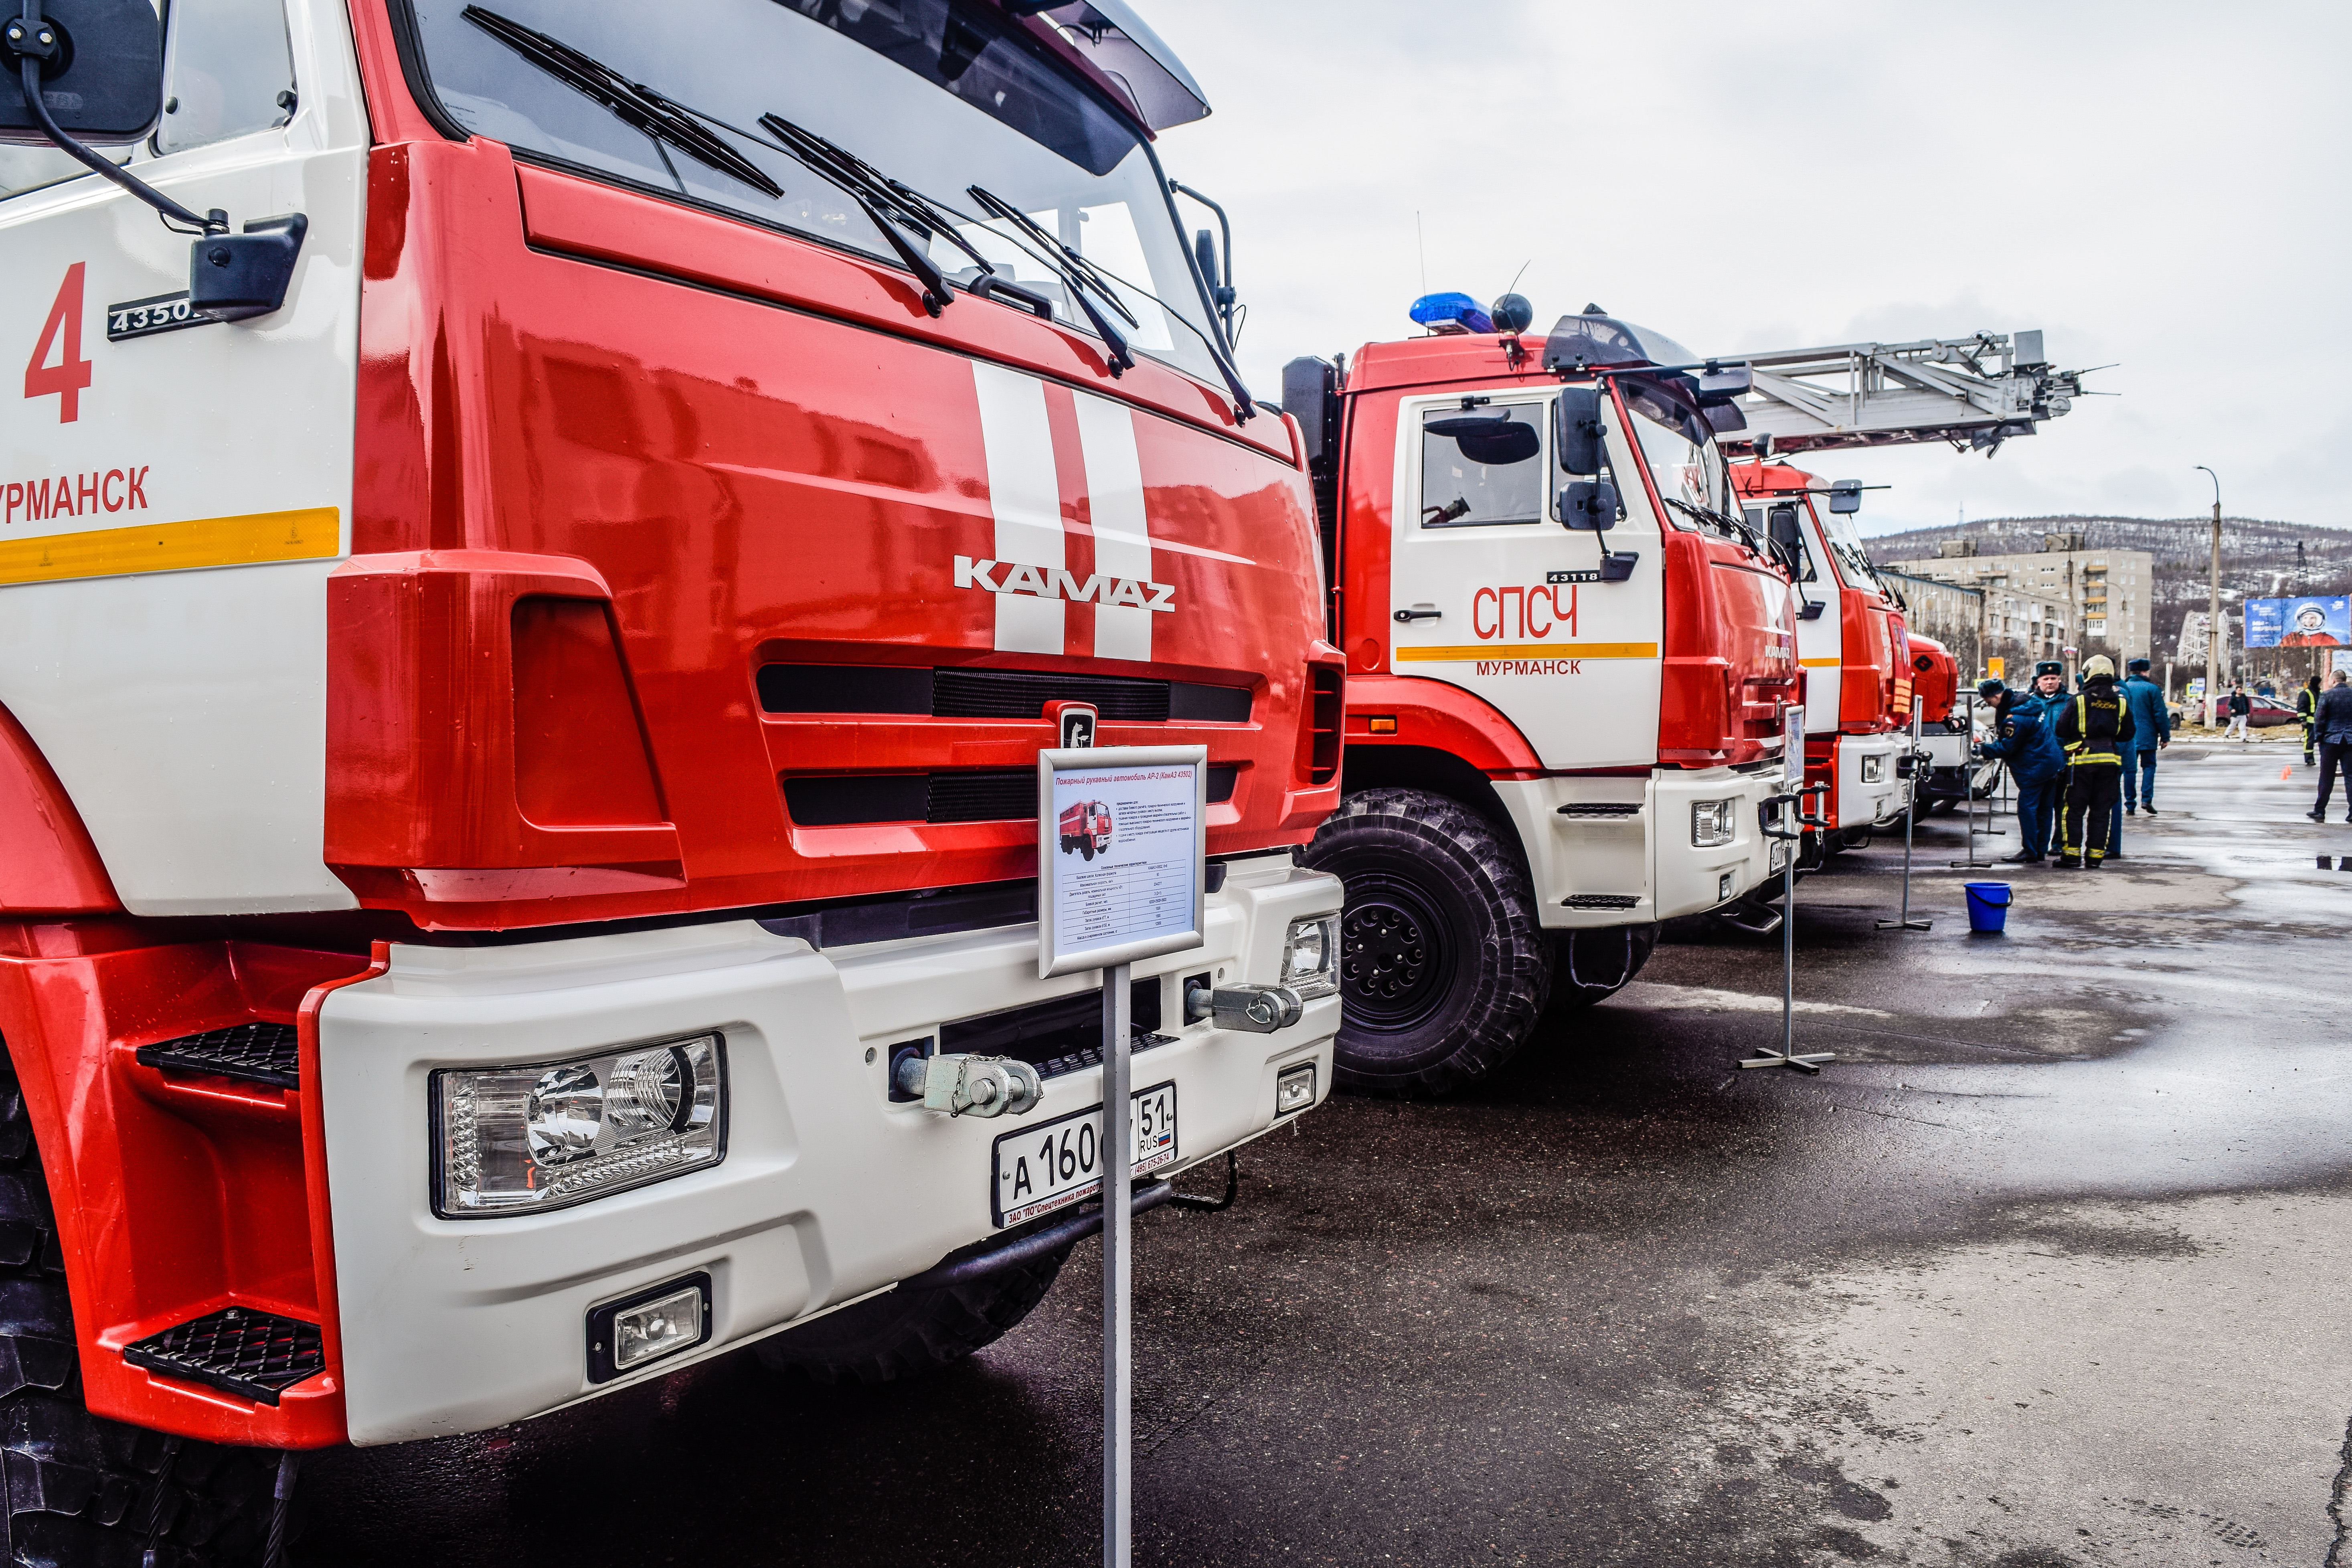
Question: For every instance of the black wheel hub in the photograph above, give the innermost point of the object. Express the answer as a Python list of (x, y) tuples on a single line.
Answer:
[(1392, 959)]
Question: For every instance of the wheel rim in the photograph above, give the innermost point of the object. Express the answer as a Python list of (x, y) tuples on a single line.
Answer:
[(1395, 963)]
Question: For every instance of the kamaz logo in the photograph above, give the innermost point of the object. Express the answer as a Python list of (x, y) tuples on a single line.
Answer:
[(1058, 583)]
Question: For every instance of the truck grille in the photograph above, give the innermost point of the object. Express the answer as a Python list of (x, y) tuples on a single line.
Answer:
[(958, 692), (1063, 1035), (967, 795)]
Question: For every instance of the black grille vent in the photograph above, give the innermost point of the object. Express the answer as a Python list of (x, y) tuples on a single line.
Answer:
[(957, 692), (1063, 1035), (258, 1053), (1601, 901), (1601, 808), (971, 794), (253, 1354)]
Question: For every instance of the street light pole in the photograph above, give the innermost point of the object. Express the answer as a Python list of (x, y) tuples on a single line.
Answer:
[(2213, 607)]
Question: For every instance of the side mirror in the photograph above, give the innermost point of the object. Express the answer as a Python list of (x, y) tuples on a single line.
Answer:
[(1846, 495), (1589, 506), (1717, 386), (1782, 523), (1577, 430), (101, 71)]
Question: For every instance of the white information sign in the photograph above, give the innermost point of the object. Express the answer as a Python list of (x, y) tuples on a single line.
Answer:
[(1122, 841), (1792, 744)]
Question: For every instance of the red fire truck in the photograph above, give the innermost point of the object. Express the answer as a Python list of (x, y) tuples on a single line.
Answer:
[(1851, 637), (1567, 659), (523, 651), (1086, 828)]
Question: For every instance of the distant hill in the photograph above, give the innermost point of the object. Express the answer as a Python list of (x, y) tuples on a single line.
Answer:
[(2258, 559)]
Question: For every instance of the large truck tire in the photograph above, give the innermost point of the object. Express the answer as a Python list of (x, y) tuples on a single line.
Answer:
[(1444, 965), (83, 1491), (1590, 966), (906, 1333)]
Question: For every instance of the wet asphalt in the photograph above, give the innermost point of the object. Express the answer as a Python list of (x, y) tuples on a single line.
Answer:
[(2048, 1267)]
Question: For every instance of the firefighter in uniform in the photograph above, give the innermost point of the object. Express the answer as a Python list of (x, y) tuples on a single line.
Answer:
[(2095, 728), (2306, 708)]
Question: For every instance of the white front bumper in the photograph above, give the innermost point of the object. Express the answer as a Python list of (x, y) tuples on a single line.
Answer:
[(1865, 803), (828, 1191), (1639, 866)]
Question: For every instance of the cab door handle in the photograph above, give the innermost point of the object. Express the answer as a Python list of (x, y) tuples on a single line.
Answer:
[(1420, 612)]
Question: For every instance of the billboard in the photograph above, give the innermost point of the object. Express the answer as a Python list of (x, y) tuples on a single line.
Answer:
[(2311, 621)]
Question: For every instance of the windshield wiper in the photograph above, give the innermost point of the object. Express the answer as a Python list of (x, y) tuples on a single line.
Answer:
[(871, 189), (637, 105), (1729, 526), (1085, 282)]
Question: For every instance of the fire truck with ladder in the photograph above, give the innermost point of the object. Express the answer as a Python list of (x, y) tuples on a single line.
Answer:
[(1861, 667), (1568, 656), (541, 551)]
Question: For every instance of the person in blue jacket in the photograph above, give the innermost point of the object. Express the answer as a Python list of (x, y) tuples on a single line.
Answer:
[(2151, 732), (2026, 741)]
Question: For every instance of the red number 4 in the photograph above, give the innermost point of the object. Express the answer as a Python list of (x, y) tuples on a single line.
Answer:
[(71, 373)]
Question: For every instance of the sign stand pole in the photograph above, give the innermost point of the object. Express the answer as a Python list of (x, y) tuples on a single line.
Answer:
[(1910, 819), (1969, 800), (1791, 828), (1118, 1232)]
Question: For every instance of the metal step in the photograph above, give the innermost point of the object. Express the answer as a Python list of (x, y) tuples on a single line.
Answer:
[(258, 1053), (253, 1354)]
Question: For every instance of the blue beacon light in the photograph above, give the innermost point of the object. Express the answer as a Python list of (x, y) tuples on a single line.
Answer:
[(1440, 309)]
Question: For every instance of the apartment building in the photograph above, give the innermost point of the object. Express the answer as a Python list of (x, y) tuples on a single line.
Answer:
[(2108, 596)]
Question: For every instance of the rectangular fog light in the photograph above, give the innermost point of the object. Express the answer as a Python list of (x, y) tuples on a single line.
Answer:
[(1723, 889), (639, 1330), (1294, 1088), (1714, 823), (1874, 769)]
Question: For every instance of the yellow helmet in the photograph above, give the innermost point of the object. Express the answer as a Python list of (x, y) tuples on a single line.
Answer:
[(2098, 664)]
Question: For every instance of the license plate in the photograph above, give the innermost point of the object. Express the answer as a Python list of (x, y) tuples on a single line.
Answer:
[(1056, 1163)]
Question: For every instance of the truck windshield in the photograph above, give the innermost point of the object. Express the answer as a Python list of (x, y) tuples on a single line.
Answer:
[(1680, 449), (937, 95), (1853, 567), (1482, 465)]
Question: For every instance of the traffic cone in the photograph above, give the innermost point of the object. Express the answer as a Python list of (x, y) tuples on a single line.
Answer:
[(2287, 771)]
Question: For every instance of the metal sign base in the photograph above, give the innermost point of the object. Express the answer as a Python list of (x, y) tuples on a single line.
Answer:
[(1968, 799), (1910, 821), (1118, 1234), (1788, 1055)]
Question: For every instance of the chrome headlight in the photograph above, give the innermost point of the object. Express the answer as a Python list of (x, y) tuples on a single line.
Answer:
[(516, 1140), (1714, 823), (1310, 956), (1874, 769)]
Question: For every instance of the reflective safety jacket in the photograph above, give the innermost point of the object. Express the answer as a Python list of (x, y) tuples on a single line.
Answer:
[(2307, 708), (2096, 726)]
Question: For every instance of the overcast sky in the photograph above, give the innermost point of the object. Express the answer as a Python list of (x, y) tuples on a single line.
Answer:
[(2159, 186)]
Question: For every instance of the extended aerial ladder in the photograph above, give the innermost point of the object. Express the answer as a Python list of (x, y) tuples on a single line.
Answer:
[(1975, 391)]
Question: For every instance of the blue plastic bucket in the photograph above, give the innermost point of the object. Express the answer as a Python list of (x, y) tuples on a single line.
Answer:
[(1988, 905)]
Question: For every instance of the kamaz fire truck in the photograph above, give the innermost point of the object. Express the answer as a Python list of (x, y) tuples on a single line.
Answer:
[(1568, 656), (542, 542), (1085, 828), (1852, 641)]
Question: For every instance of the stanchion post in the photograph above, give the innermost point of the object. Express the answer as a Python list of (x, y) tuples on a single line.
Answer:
[(1118, 1231), (1772, 827), (1910, 822), (1968, 799)]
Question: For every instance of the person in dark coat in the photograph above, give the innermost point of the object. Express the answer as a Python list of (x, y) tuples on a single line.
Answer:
[(2151, 731), (2095, 728), (2238, 706), (2022, 738), (2334, 724)]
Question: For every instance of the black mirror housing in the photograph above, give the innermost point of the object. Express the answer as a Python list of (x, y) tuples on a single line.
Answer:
[(1589, 506), (1577, 430), (1786, 532), (1846, 495), (103, 81), (1721, 385), (232, 276)]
